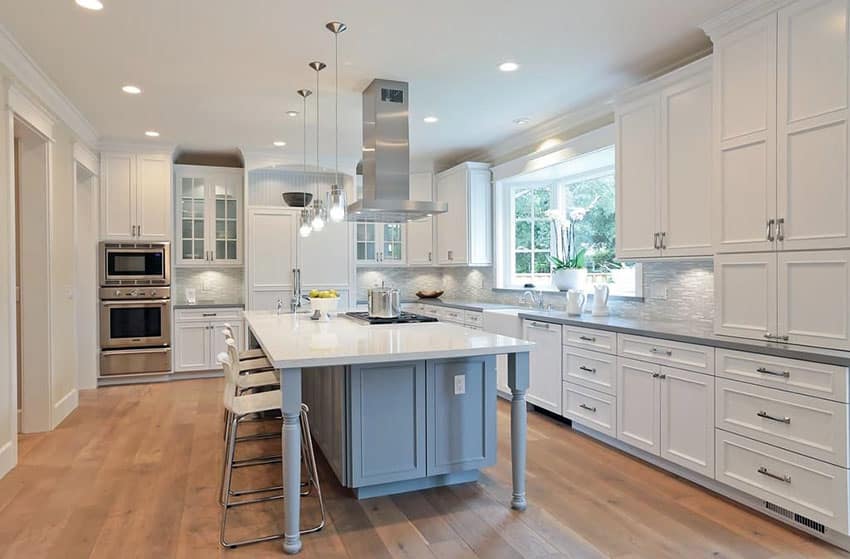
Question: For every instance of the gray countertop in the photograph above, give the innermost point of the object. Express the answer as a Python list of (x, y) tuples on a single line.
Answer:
[(459, 304), (207, 305), (691, 333)]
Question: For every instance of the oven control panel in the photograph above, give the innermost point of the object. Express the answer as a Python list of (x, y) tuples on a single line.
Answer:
[(140, 292)]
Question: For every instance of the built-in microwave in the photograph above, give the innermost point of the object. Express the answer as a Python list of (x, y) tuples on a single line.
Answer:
[(135, 264)]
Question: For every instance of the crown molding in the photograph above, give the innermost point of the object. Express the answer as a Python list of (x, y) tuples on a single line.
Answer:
[(26, 72), (739, 15), (153, 146), (87, 158), (29, 111), (664, 79)]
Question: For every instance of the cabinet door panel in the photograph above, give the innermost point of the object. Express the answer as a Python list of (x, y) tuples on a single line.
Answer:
[(118, 180), (226, 218), (687, 419), (637, 179), (217, 344), (325, 257), (814, 298), (420, 233), (638, 405), (544, 364), (272, 254), (686, 173), (745, 294), (452, 228), (387, 423), (192, 347), (153, 198)]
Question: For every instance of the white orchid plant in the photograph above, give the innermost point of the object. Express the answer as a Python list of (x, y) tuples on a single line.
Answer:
[(566, 256)]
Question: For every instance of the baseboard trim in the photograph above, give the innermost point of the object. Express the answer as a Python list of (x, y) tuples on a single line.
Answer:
[(65, 406), (148, 379), (8, 457), (396, 487)]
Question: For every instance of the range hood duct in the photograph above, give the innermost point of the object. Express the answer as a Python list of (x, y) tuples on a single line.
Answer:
[(386, 159)]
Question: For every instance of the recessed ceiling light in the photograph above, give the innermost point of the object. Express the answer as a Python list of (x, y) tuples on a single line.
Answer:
[(279, 144), (508, 66), (90, 4), (291, 113), (522, 121), (430, 119), (152, 134), (131, 89)]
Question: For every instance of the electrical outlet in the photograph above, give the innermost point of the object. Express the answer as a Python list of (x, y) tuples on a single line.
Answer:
[(207, 285), (460, 384)]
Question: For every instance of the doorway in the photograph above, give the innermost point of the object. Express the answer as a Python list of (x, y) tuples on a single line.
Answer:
[(86, 279)]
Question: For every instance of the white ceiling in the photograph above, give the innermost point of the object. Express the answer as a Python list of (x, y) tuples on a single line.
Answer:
[(218, 74)]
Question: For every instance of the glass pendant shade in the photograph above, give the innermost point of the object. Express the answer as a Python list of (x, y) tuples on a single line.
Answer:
[(319, 216), (306, 226), (336, 203)]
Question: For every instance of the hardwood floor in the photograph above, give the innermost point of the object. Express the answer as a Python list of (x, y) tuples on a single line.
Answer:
[(134, 472)]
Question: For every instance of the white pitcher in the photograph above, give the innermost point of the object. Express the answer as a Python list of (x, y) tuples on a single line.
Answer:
[(600, 300), (575, 302)]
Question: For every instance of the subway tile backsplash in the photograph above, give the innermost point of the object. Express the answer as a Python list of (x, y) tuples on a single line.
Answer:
[(224, 285), (679, 291)]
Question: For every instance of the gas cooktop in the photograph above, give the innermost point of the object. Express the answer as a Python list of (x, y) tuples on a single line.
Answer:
[(403, 318)]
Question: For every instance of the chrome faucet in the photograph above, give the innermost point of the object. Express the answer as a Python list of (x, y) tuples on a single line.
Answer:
[(297, 297), (536, 299), (279, 310)]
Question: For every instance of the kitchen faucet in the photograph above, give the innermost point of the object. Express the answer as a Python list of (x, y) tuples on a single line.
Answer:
[(297, 297), (536, 300)]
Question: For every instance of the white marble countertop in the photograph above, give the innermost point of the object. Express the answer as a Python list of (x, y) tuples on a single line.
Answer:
[(295, 341)]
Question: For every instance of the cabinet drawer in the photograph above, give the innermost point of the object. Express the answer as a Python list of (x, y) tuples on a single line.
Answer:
[(590, 369), (684, 356), (810, 426), (590, 408), (597, 340), (472, 318), (218, 314), (802, 485), (450, 315), (814, 379), (429, 310)]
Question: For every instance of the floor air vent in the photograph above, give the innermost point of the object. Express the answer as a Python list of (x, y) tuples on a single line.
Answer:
[(798, 518)]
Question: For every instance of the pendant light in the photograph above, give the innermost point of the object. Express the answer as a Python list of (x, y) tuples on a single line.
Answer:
[(319, 213), (306, 218), (336, 197), (301, 199)]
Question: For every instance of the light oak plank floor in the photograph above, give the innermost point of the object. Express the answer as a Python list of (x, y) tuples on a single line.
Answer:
[(134, 473)]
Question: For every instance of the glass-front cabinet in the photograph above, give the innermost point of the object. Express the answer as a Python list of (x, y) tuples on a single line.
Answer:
[(380, 244), (209, 215)]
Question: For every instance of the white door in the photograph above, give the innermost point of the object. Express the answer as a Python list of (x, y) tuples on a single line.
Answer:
[(813, 198), (118, 186), (224, 199), (687, 419), (686, 168), (544, 388), (452, 225), (814, 298), (744, 193), (192, 346), (637, 179), (153, 198), (271, 256), (420, 233), (745, 294), (638, 406), (192, 210)]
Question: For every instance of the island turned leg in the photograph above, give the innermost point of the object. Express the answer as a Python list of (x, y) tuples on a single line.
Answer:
[(290, 385), (518, 383)]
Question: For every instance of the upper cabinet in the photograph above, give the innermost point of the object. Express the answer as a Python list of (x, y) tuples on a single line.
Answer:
[(664, 166), (781, 133), (135, 197), (380, 244), (209, 215), (420, 233), (465, 231)]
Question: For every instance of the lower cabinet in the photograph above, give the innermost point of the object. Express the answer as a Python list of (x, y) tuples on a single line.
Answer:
[(588, 407), (544, 388), (667, 412), (198, 338)]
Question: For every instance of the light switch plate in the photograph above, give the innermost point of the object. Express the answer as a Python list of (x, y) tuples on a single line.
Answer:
[(460, 384)]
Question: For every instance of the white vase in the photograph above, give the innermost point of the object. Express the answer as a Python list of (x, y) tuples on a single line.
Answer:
[(569, 278)]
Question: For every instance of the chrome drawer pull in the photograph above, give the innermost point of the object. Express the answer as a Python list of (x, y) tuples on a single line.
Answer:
[(765, 415), (588, 408), (666, 352), (587, 369), (762, 370), (765, 472), (770, 336), (209, 314), (587, 338), (541, 325)]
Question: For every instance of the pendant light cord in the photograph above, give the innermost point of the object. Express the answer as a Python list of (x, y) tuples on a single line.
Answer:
[(336, 109), (317, 135)]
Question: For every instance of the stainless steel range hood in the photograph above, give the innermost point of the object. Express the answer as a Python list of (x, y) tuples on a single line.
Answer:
[(386, 159)]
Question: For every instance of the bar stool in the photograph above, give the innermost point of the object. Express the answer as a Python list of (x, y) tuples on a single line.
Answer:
[(227, 329), (245, 383), (243, 406)]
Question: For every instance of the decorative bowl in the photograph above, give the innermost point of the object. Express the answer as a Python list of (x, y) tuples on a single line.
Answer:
[(297, 199), (426, 294)]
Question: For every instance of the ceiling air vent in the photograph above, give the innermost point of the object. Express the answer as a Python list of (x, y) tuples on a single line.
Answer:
[(798, 518)]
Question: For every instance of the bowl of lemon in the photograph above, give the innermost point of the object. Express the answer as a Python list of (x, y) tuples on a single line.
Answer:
[(322, 303)]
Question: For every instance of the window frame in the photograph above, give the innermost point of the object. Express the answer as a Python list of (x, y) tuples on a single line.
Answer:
[(513, 221)]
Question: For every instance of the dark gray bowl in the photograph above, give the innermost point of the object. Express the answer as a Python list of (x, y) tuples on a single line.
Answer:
[(297, 199)]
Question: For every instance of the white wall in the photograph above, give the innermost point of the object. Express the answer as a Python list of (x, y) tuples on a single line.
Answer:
[(8, 408)]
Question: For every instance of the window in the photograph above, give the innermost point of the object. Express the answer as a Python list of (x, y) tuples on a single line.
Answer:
[(571, 203)]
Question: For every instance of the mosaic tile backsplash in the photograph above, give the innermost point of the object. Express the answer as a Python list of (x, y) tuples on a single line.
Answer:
[(672, 290), (224, 285)]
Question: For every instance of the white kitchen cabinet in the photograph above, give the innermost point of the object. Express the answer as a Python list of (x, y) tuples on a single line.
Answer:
[(420, 233), (664, 166), (687, 419), (794, 297), (192, 346), (209, 216), (544, 388), (465, 231), (638, 404), (135, 196), (380, 244), (198, 337), (781, 141)]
